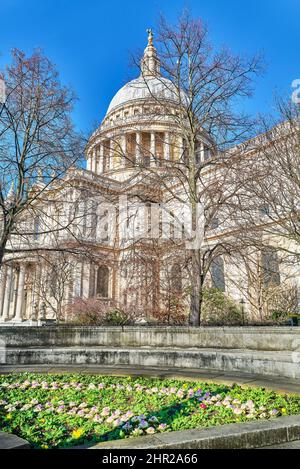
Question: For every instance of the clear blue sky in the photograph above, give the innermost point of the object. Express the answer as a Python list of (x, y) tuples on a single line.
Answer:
[(90, 40)]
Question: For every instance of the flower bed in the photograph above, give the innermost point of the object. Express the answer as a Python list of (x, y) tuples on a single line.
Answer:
[(56, 411)]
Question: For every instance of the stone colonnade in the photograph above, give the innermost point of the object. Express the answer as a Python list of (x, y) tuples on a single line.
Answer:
[(12, 292), (21, 297), (24, 287), (159, 146)]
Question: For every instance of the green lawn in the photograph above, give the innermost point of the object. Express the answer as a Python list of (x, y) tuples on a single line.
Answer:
[(56, 411)]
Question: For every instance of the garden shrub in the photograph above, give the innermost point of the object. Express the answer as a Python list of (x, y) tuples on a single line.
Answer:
[(98, 312), (218, 309)]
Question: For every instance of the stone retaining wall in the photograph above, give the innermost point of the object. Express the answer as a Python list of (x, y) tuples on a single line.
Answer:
[(257, 351), (249, 338)]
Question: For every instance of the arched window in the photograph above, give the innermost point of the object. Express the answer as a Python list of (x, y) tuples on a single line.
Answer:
[(102, 281), (217, 274), (176, 278)]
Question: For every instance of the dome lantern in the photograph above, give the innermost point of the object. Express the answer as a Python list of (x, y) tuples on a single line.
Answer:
[(150, 65)]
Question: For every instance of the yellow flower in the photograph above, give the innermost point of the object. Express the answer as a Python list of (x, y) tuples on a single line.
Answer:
[(45, 446), (283, 410), (8, 416), (77, 433), (43, 421)]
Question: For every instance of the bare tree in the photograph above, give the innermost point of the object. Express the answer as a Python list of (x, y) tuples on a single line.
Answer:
[(205, 85), (53, 290), (38, 144), (275, 191)]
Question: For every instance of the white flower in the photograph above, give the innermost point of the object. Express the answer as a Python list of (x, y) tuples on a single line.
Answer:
[(117, 422), (137, 432), (237, 411), (150, 430)]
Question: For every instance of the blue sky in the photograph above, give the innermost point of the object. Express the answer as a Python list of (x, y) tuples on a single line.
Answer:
[(90, 41)]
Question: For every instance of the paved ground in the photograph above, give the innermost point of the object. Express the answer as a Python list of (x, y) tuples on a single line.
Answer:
[(278, 384)]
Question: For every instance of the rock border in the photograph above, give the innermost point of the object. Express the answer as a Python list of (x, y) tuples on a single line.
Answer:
[(10, 441), (249, 435)]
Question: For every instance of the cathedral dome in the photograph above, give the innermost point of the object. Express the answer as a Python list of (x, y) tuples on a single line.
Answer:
[(150, 84), (144, 88)]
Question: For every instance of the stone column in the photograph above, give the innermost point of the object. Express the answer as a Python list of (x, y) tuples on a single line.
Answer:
[(85, 280), (123, 151), (12, 308), (6, 302), (138, 147), (111, 154), (167, 142), (20, 293), (29, 300), (152, 149), (36, 292), (43, 291), (181, 148), (201, 151), (2, 288), (94, 160), (101, 169), (88, 163)]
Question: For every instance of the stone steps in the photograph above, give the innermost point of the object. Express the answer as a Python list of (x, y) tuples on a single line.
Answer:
[(271, 363)]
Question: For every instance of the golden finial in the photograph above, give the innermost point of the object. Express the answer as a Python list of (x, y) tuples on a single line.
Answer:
[(150, 37)]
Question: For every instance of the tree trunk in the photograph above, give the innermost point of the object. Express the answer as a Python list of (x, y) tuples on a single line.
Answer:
[(1, 255), (3, 241), (196, 289)]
